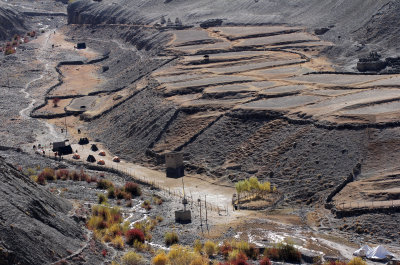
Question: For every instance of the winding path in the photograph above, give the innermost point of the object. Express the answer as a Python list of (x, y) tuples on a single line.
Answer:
[(24, 113)]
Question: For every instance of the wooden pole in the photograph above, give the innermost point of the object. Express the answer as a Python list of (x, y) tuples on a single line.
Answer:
[(201, 220), (205, 202)]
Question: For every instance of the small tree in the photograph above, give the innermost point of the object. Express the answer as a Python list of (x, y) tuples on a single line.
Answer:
[(242, 186), (254, 184), (55, 102)]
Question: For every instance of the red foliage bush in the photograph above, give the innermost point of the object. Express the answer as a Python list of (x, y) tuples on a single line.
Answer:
[(253, 252), (55, 102), (284, 252), (225, 249), (41, 180), (9, 50), (104, 252), (119, 193), (241, 259), (75, 176), (47, 173), (31, 34), (127, 196), (133, 189), (272, 253), (265, 261), (133, 235), (82, 175), (62, 173)]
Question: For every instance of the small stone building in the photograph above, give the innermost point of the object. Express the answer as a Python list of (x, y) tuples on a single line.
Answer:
[(174, 165), (62, 148), (81, 45)]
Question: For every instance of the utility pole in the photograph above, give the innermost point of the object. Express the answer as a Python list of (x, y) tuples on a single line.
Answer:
[(201, 220), (65, 121), (205, 203)]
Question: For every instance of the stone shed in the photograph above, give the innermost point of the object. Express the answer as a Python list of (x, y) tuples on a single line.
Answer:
[(174, 165)]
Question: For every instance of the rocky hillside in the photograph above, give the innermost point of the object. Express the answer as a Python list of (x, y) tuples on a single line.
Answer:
[(34, 226), (259, 105), (11, 22), (352, 24)]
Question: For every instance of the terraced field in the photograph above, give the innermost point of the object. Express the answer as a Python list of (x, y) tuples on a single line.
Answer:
[(269, 108), (275, 70)]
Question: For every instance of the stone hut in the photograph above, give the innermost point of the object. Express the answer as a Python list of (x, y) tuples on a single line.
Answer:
[(62, 148), (174, 165)]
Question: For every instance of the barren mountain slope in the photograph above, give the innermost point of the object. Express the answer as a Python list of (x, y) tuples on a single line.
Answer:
[(34, 226), (254, 108), (348, 20)]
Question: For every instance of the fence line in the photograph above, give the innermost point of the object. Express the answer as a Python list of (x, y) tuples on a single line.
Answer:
[(142, 180)]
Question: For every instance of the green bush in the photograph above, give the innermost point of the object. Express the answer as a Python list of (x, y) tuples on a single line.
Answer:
[(180, 255), (285, 252), (171, 238), (104, 184), (210, 248), (198, 247), (160, 259), (132, 258), (357, 261), (146, 205), (111, 192), (102, 198)]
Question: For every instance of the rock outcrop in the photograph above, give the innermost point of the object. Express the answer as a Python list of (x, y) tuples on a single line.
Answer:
[(11, 22), (34, 226)]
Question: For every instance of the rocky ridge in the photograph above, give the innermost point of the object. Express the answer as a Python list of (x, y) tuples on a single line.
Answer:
[(11, 22), (34, 224)]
